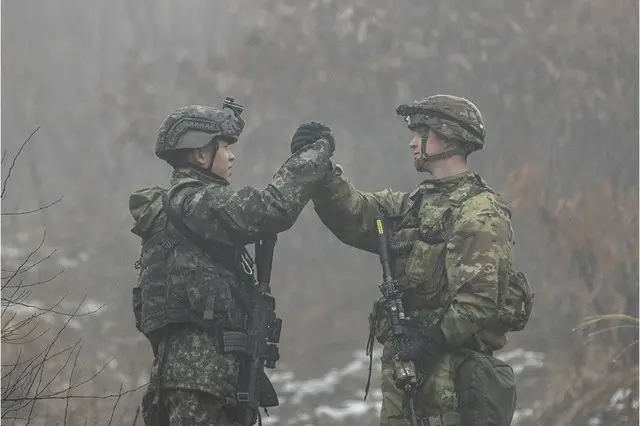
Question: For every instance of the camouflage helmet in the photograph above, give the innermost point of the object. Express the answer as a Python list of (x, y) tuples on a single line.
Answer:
[(195, 126), (451, 117)]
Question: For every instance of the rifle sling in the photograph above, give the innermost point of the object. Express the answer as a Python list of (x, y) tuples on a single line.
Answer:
[(225, 255)]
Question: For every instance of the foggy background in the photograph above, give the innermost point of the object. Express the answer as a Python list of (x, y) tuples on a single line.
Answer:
[(556, 82)]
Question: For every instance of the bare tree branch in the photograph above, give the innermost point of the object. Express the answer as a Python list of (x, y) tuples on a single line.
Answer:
[(74, 315), (25, 261), (115, 405), (34, 210), (13, 162), (28, 380), (37, 283), (108, 396), (135, 418), (73, 369)]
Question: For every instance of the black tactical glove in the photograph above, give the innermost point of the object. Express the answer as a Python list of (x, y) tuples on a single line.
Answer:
[(308, 133), (427, 347)]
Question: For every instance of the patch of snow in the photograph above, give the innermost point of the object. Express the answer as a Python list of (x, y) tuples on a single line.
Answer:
[(349, 408), (75, 324), (271, 420), (617, 399), (67, 262), (12, 252), (519, 359), (521, 414), (594, 421)]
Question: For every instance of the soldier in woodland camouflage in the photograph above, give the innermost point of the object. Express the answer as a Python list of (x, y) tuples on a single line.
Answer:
[(451, 242), (192, 280)]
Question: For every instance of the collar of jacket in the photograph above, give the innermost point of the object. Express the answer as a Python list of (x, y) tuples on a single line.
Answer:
[(446, 185), (203, 176)]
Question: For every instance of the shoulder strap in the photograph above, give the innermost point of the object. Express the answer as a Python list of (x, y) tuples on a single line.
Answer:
[(228, 256), (232, 258)]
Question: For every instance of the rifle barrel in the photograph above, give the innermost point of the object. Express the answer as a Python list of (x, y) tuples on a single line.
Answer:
[(383, 249)]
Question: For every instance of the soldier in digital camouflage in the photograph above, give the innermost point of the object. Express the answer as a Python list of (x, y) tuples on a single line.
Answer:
[(451, 246), (193, 267)]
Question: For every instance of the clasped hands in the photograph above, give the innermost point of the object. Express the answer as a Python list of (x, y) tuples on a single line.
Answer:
[(310, 132)]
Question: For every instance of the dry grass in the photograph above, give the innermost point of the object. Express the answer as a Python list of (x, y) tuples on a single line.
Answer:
[(591, 240)]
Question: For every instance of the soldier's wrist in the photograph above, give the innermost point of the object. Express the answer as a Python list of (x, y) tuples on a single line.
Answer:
[(325, 187)]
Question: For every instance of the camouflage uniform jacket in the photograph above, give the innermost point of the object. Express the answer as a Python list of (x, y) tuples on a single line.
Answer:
[(181, 286), (451, 242)]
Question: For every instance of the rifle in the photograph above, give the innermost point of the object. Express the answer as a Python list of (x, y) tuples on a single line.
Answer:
[(260, 346), (404, 372)]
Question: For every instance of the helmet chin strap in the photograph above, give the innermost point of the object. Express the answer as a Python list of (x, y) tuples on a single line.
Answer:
[(207, 169), (425, 158), (213, 157)]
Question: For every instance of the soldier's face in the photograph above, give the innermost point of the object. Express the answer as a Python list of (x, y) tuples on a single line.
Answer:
[(435, 145), (416, 145), (222, 162)]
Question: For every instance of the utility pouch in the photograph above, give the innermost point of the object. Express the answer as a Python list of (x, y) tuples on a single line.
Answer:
[(486, 389)]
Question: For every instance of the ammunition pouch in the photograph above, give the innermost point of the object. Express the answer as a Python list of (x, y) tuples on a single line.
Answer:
[(486, 390), (237, 342), (275, 328)]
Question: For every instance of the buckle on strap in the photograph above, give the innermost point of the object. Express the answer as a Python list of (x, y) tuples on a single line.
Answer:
[(247, 264)]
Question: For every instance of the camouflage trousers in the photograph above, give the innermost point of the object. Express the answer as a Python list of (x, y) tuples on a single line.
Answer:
[(435, 402), (194, 408)]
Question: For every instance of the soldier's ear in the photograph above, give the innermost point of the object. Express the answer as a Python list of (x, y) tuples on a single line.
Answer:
[(197, 156)]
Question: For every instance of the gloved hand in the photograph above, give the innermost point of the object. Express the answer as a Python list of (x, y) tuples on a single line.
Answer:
[(310, 132), (426, 347)]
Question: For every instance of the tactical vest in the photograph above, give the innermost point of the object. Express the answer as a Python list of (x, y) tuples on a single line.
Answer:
[(419, 244), (186, 280)]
